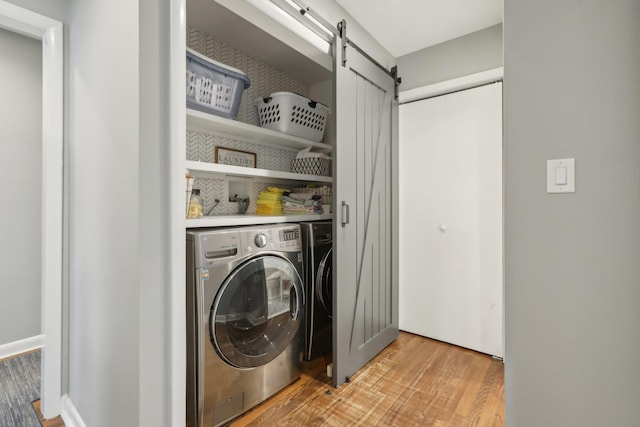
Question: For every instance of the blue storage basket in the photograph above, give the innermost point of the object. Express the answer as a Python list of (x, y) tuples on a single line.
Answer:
[(213, 87)]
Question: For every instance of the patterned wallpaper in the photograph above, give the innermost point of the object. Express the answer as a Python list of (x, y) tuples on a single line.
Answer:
[(265, 80)]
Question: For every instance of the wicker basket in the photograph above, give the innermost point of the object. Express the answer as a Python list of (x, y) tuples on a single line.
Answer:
[(312, 166)]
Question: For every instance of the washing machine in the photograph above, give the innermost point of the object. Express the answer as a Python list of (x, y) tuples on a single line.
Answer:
[(245, 303), (318, 252)]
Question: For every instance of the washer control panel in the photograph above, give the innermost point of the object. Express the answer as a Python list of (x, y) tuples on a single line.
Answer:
[(289, 239), (284, 237)]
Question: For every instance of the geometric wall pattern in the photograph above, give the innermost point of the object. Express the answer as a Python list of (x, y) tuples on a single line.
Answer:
[(265, 80), (201, 147), (210, 189)]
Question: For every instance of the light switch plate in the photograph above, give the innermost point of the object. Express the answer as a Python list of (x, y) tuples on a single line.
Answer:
[(561, 176)]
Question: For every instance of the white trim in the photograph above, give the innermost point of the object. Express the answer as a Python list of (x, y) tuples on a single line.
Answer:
[(178, 131), (283, 17), (20, 346), (70, 414), (50, 31), (52, 168), (453, 85), (23, 21)]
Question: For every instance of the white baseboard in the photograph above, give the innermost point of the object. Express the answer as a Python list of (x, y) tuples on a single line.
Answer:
[(70, 414), (21, 346)]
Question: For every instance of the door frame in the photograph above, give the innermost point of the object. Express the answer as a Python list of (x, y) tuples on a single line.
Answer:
[(50, 32), (453, 85)]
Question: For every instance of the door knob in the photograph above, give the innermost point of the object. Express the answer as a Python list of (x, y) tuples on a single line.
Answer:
[(442, 228)]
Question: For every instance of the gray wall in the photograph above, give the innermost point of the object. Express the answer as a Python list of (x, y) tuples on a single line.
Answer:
[(117, 345), (120, 344), (473, 53), (20, 186), (104, 210), (55, 9), (156, 408), (333, 13), (572, 89)]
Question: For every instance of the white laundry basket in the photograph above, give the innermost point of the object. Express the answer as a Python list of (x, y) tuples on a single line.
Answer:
[(293, 114)]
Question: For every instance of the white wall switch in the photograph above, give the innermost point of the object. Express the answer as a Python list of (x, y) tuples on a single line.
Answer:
[(561, 176)]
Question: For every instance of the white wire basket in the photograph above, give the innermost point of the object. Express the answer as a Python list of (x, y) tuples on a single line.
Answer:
[(325, 192)]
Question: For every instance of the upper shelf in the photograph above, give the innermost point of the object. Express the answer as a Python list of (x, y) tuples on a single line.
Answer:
[(209, 123), (244, 26)]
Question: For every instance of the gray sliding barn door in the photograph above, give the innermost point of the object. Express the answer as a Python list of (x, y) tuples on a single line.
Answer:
[(366, 220)]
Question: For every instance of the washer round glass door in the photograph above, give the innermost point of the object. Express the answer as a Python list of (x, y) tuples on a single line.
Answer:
[(256, 312), (324, 282)]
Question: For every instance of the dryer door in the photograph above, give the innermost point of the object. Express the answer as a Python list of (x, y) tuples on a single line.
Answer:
[(257, 311), (324, 281)]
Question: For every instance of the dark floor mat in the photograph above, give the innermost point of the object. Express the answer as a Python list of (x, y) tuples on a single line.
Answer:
[(19, 386)]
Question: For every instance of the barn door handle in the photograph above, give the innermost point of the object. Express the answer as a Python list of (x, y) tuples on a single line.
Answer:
[(345, 213)]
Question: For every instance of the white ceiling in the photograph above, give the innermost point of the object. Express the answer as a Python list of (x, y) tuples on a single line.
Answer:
[(405, 26)]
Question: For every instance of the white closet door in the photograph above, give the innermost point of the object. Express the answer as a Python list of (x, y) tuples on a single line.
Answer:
[(451, 257)]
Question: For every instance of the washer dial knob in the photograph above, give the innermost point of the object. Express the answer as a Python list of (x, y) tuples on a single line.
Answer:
[(261, 240)]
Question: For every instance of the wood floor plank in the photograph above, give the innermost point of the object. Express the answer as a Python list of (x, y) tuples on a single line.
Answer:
[(499, 420), (53, 422), (478, 371), (415, 381), (486, 403)]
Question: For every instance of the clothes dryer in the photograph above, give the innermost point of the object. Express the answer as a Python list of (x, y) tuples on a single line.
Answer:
[(245, 302), (318, 279)]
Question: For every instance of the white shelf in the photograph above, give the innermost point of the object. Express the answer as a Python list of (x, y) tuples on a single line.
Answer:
[(206, 169), (211, 124), (226, 220)]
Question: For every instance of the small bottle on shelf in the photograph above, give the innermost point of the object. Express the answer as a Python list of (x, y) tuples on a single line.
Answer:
[(196, 204)]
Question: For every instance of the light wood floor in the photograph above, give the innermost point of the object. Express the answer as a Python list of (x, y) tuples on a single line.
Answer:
[(53, 422), (413, 382)]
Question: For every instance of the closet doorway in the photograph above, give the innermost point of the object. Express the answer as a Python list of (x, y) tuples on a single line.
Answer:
[(451, 254), (44, 164)]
